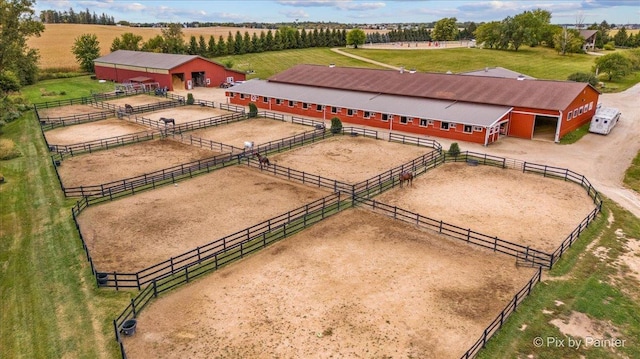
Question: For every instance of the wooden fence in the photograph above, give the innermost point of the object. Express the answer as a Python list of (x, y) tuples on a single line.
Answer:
[(50, 123), (497, 323), (230, 247), (418, 141), (467, 235), (307, 121), (204, 143), (132, 185), (103, 144)]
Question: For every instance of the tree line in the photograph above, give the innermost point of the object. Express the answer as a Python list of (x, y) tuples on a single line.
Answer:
[(72, 17), (172, 41)]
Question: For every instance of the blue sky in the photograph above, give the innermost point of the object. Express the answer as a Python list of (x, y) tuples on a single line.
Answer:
[(349, 11)]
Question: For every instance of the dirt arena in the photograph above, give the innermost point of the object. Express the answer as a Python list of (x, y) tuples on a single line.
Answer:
[(92, 131), (64, 111), (184, 114), (138, 231), (523, 208), (258, 130), (127, 161), (378, 289), (349, 159)]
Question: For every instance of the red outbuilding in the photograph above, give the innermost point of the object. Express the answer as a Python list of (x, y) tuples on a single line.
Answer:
[(465, 107), (168, 70)]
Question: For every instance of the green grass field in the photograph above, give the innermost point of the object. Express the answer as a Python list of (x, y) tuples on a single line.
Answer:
[(51, 308)]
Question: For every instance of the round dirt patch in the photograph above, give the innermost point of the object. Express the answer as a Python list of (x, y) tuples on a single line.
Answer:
[(138, 231), (184, 114), (64, 111), (356, 285), (523, 208), (137, 100)]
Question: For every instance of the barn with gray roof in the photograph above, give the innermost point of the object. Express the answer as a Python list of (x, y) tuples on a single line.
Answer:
[(167, 70), (469, 108)]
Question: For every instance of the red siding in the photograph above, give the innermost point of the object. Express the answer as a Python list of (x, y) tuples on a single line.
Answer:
[(588, 97), (121, 75), (357, 118)]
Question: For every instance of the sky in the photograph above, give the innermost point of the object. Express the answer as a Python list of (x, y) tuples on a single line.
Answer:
[(349, 11)]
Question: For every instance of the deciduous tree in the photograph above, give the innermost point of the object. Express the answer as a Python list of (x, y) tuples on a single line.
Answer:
[(356, 37), (86, 48), (615, 65)]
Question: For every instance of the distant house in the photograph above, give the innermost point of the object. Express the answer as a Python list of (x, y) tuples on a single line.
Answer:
[(168, 70), (478, 109), (589, 39)]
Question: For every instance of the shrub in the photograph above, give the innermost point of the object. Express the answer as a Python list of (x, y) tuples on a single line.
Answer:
[(190, 99), (454, 149), (610, 46), (253, 110), (336, 125), (583, 77)]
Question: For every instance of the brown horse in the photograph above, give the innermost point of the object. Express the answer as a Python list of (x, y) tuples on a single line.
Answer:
[(406, 176), (263, 160), (168, 121), (128, 108)]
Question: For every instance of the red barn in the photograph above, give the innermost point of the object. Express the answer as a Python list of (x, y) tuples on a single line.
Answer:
[(461, 107), (169, 70)]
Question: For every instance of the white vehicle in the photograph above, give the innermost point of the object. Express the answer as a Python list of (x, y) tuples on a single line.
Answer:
[(604, 120)]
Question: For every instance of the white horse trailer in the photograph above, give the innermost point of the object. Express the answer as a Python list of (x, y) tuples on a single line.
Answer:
[(604, 120)]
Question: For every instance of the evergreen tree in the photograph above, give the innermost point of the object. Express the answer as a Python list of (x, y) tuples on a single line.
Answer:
[(231, 45), (221, 47), (202, 47), (211, 47), (193, 46)]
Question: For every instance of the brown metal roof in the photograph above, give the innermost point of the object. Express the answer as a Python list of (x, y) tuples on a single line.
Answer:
[(538, 94)]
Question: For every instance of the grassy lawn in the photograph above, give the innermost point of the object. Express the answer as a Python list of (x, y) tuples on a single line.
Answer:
[(51, 307), (632, 175), (266, 64)]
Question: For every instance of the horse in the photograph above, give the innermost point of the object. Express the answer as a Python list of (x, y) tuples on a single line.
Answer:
[(263, 160), (128, 108), (406, 176), (168, 121)]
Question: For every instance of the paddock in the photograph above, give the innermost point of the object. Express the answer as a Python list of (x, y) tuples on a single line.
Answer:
[(127, 161), (349, 159), (256, 130), (381, 289), (69, 110), (184, 114), (135, 232), (523, 208), (91, 131)]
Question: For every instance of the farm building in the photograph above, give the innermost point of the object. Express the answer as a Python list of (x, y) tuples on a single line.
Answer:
[(168, 70), (469, 108)]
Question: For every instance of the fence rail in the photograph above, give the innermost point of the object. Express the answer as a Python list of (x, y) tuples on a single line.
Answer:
[(276, 227), (48, 123), (102, 144), (499, 321), (232, 108), (119, 188), (395, 137), (467, 235), (204, 143)]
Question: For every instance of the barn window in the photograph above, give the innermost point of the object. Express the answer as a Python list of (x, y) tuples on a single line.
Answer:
[(423, 122), (404, 119), (580, 110), (350, 112), (467, 129), (319, 108), (366, 114), (444, 125), (232, 94), (278, 101), (241, 96), (590, 105), (569, 115), (292, 103), (477, 128), (305, 105), (265, 99), (575, 113), (334, 109), (386, 117)]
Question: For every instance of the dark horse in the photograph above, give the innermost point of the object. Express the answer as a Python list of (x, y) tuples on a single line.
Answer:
[(168, 121), (406, 176), (263, 160), (128, 108)]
